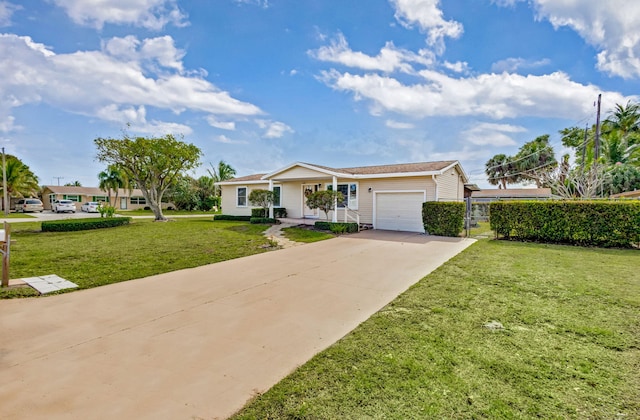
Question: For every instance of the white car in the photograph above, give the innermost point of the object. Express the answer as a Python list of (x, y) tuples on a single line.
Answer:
[(63, 206), (90, 207)]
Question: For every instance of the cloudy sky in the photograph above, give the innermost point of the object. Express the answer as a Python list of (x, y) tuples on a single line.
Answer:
[(264, 83)]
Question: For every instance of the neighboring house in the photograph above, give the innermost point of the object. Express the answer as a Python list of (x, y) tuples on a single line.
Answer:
[(511, 194), (386, 197), (628, 194), (127, 200)]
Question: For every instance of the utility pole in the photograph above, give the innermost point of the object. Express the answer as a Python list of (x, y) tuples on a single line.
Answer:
[(584, 145), (597, 140), (58, 178), (4, 185)]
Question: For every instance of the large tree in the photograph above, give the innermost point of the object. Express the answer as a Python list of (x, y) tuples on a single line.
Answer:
[(21, 182), (535, 159), (153, 163), (497, 170)]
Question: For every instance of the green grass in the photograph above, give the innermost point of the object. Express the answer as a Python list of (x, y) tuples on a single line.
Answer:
[(17, 216), (570, 347), (143, 248), (305, 235), (168, 213), (483, 230)]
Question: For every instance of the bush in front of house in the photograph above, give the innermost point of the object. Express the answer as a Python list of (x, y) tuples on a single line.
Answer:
[(443, 218), (262, 221), (278, 212), (232, 217), (71, 225), (585, 223), (337, 227), (259, 212)]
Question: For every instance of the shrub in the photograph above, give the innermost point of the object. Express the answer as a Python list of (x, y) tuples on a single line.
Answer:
[(337, 227), (277, 212), (262, 221), (443, 218), (231, 217), (586, 223), (70, 225)]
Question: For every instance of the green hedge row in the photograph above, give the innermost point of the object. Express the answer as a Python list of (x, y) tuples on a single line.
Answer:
[(586, 223), (230, 217), (443, 218), (277, 212), (337, 227), (262, 221), (70, 225)]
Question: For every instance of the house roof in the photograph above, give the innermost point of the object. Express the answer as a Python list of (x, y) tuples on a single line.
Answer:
[(90, 191), (513, 193), (420, 168), (628, 194)]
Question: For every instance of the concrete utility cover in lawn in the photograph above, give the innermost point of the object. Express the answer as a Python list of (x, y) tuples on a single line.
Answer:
[(199, 343), (48, 284)]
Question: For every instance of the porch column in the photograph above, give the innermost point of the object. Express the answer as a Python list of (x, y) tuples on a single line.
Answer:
[(335, 200), (271, 205)]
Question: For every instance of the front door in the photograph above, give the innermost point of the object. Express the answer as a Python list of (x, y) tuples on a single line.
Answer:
[(308, 189), (123, 203)]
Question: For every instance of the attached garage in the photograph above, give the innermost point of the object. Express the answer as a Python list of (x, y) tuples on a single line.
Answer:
[(399, 210)]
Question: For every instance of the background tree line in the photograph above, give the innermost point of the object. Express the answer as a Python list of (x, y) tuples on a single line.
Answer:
[(602, 165)]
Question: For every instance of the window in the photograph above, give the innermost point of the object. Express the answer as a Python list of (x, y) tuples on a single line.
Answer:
[(349, 195), (277, 191), (75, 198), (241, 196), (99, 198), (138, 200)]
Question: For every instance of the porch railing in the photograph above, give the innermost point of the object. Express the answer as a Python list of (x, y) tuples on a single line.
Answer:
[(350, 214)]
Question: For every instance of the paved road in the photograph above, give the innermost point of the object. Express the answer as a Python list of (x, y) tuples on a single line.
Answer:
[(199, 343)]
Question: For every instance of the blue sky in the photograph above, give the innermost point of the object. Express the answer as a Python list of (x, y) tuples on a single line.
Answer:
[(264, 83)]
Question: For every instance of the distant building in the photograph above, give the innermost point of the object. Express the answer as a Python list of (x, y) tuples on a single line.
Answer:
[(127, 199), (511, 194), (628, 194)]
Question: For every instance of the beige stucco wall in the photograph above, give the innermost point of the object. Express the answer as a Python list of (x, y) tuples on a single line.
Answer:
[(450, 186), (299, 172)]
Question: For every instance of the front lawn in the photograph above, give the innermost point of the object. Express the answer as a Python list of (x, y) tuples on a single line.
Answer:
[(569, 346), (142, 248), (167, 213), (299, 234)]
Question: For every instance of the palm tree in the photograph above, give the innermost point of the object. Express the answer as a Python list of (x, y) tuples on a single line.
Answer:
[(21, 181), (114, 178), (497, 169), (223, 173), (625, 119), (73, 184)]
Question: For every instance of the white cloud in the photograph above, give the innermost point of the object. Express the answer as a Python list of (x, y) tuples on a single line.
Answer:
[(226, 140), (611, 26), (136, 119), (150, 14), (458, 66), (511, 65), (90, 82), (388, 60), (429, 17), (274, 129), (262, 3), (6, 12), (224, 125), (496, 96), (483, 134), (399, 125)]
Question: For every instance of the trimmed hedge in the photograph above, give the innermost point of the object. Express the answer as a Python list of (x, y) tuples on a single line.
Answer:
[(443, 218), (231, 217), (585, 223), (277, 212), (337, 227), (71, 225), (262, 221)]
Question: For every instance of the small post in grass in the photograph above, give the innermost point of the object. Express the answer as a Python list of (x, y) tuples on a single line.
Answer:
[(5, 245)]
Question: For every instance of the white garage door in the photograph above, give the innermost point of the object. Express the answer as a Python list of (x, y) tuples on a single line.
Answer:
[(399, 211)]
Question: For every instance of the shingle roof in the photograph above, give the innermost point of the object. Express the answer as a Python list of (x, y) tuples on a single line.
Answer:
[(66, 189), (254, 177)]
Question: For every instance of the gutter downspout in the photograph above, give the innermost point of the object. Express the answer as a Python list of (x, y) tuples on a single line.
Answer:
[(334, 217), (435, 181), (271, 204)]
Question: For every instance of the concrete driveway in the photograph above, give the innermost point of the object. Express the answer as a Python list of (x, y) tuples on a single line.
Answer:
[(199, 343)]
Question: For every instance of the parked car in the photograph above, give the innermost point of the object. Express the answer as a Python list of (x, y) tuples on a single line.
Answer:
[(90, 207), (64, 205), (29, 204)]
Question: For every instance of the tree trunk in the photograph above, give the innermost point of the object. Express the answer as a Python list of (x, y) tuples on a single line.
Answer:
[(154, 204)]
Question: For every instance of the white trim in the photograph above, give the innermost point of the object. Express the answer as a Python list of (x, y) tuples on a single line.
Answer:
[(375, 193), (348, 184), (306, 166), (246, 197), (222, 183)]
